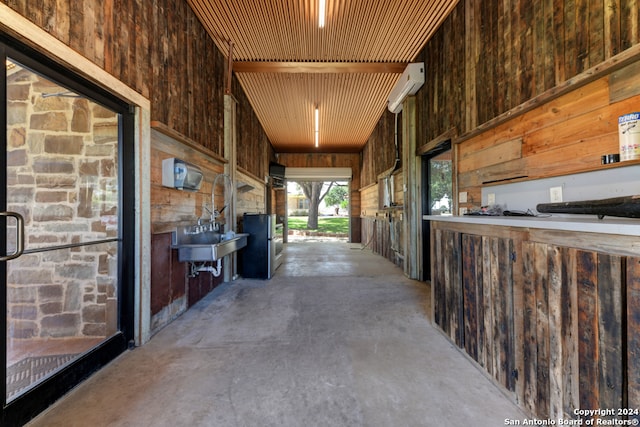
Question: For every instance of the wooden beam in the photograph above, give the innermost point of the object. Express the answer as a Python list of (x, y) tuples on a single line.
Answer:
[(434, 143), (174, 134), (319, 67), (229, 69)]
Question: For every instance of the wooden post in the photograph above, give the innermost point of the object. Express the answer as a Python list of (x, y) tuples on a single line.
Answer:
[(411, 174), (230, 154), (229, 69)]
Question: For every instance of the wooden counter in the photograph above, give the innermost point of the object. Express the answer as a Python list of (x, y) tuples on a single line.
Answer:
[(551, 313), (584, 223)]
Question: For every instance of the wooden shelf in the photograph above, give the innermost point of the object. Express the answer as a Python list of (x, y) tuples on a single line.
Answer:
[(174, 134), (249, 174), (594, 168)]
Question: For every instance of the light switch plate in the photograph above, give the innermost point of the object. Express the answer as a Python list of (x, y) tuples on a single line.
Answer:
[(555, 194)]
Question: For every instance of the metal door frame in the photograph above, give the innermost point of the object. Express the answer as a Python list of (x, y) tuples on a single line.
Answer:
[(426, 209), (31, 403)]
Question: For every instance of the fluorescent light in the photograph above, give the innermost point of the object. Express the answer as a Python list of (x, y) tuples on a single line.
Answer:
[(323, 174), (317, 132), (321, 10)]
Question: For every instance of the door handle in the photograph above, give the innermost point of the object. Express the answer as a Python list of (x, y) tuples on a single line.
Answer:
[(19, 236)]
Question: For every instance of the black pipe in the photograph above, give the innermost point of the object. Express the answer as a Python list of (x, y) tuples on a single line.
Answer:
[(626, 206)]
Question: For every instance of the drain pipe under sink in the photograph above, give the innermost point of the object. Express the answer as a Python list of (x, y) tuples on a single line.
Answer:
[(216, 271)]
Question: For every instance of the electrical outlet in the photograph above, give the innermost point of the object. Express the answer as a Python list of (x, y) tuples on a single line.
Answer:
[(491, 199), (555, 194), (462, 197)]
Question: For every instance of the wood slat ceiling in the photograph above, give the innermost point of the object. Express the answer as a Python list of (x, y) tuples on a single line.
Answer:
[(287, 65)]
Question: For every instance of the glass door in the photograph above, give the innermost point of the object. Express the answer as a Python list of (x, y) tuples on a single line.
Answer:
[(437, 179), (63, 278), (440, 184)]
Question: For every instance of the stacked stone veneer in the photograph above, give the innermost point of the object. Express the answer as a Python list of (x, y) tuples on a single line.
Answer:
[(62, 177)]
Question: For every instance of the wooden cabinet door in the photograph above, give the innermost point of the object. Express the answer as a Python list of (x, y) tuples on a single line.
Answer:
[(633, 334), (487, 288), (446, 283), (473, 298), (573, 331), (550, 330)]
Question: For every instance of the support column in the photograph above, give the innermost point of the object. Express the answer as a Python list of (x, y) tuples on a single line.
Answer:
[(230, 155), (142, 311), (412, 188)]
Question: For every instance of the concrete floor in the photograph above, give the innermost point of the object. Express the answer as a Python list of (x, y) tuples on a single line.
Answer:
[(339, 337)]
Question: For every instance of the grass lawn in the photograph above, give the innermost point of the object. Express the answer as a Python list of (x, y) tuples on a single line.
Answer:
[(326, 224)]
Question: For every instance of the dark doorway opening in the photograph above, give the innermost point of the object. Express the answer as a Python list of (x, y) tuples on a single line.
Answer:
[(437, 181)]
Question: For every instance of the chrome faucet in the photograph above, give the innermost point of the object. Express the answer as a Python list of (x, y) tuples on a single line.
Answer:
[(228, 191), (211, 215)]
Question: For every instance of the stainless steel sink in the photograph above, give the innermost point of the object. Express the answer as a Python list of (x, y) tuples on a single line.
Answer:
[(206, 245)]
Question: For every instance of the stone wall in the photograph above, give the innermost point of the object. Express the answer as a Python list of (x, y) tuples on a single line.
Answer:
[(62, 176)]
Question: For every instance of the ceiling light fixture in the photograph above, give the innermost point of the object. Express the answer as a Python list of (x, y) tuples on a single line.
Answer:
[(321, 11), (317, 132)]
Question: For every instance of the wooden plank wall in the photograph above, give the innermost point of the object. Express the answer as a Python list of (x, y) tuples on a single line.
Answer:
[(517, 51), (565, 136), (168, 281), (169, 289), (160, 49), (254, 151), (375, 233), (488, 61), (369, 201), (378, 158), (278, 203), (376, 236), (172, 292), (489, 58), (372, 213), (170, 207), (441, 102), (252, 200), (379, 153)]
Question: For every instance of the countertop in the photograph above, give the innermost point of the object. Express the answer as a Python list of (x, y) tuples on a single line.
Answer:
[(588, 224)]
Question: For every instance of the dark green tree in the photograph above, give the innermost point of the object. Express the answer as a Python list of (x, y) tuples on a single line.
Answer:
[(313, 191), (337, 197), (440, 184)]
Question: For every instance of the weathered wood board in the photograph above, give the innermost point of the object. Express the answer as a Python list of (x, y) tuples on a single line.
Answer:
[(633, 333), (555, 325)]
